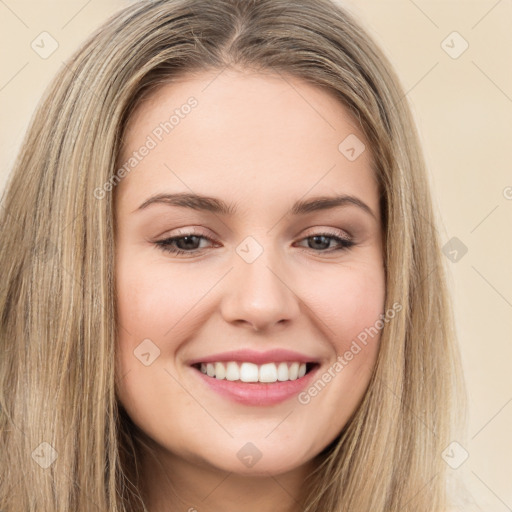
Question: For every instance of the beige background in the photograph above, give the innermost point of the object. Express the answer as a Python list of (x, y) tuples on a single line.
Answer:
[(463, 107)]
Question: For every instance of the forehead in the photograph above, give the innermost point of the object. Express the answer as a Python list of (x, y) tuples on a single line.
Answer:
[(245, 134)]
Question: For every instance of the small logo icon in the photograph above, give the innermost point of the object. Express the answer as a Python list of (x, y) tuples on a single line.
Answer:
[(454, 249), (45, 251), (45, 455), (454, 455), (351, 147), (249, 455), (454, 45), (44, 45), (249, 249), (146, 352)]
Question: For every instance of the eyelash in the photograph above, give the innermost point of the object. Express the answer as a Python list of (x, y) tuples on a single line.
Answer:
[(166, 244)]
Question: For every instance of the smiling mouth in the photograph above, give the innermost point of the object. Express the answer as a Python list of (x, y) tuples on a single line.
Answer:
[(250, 372)]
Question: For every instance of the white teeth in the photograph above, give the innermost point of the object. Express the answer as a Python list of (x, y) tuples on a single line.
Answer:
[(282, 372), (268, 372), (250, 372), (232, 371), (220, 371)]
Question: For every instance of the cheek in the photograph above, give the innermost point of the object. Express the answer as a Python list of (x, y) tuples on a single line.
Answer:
[(155, 302), (151, 307), (347, 300), (350, 311), (159, 307)]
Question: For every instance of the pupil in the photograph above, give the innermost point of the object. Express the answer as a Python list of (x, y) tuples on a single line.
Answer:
[(188, 240), (324, 245)]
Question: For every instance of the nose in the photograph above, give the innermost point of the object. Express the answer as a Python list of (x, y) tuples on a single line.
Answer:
[(260, 295)]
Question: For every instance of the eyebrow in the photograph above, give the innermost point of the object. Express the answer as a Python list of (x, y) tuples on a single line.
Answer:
[(216, 205)]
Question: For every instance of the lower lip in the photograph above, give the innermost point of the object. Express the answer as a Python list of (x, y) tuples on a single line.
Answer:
[(258, 393)]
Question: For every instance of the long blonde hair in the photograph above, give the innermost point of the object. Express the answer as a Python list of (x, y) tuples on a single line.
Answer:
[(65, 442)]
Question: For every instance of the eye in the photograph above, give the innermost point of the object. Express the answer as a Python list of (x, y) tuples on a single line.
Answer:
[(323, 240), (187, 243)]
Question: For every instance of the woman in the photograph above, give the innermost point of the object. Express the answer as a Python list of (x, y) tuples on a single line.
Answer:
[(222, 278)]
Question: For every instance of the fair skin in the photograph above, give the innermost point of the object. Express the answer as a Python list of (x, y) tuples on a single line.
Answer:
[(262, 143)]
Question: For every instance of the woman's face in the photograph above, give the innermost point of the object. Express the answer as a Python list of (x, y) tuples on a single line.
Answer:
[(267, 286)]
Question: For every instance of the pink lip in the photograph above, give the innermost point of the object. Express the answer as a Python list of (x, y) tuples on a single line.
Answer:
[(252, 356)]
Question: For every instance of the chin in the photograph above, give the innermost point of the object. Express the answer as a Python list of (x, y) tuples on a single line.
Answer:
[(257, 458)]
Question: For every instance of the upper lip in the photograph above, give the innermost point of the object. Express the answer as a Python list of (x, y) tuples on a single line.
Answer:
[(251, 356)]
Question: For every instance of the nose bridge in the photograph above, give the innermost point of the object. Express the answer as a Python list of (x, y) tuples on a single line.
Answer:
[(259, 294)]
